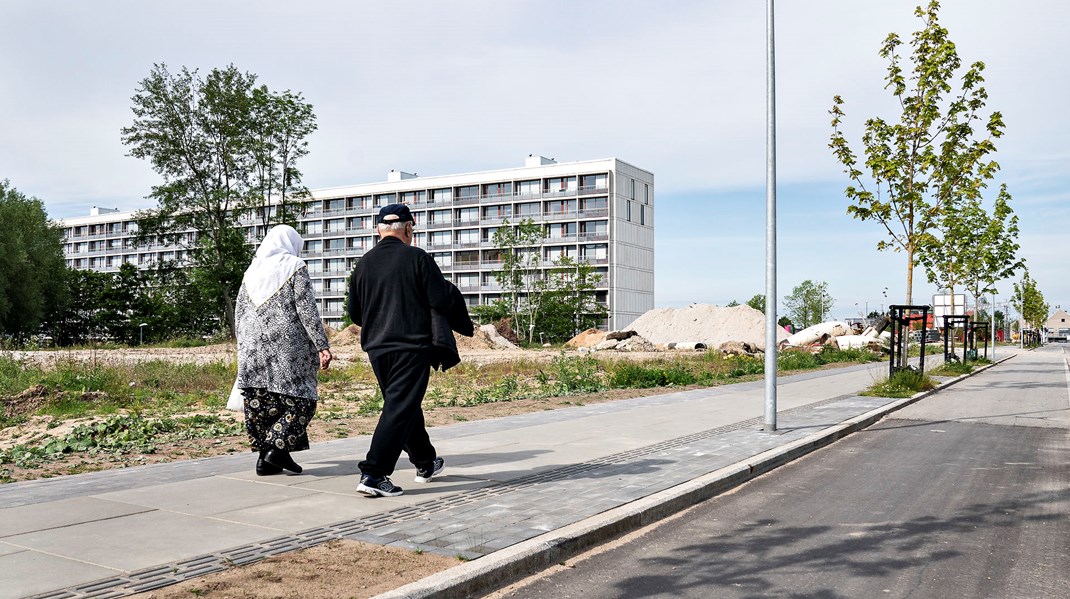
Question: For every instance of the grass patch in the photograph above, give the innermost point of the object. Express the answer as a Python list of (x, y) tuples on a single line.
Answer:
[(904, 383), (952, 369)]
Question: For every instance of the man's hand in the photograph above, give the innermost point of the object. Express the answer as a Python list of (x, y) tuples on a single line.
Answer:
[(325, 359)]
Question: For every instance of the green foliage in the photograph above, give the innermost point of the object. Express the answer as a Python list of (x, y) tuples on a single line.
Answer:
[(568, 303), (952, 369), (32, 265), (935, 155), (1029, 302), (223, 146), (757, 302), (119, 434), (631, 375), (492, 312), (569, 375), (809, 303), (904, 383)]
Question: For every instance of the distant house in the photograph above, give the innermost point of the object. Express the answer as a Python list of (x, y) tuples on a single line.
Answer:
[(1057, 328)]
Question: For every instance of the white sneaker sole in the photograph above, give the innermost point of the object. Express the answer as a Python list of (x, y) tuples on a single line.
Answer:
[(438, 472), (373, 492)]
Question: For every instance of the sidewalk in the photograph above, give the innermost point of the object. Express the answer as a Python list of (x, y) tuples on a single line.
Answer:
[(567, 478)]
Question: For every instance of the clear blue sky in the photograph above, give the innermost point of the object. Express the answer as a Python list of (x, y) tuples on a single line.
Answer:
[(674, 87)]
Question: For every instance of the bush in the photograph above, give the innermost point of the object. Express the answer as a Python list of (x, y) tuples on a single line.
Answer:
[(628, 375)]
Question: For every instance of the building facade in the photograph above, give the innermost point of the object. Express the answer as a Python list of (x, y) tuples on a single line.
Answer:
[(599, 211)]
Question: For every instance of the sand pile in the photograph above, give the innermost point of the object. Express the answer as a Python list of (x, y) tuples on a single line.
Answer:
[(348, 337), (588, 338), (705, 323)]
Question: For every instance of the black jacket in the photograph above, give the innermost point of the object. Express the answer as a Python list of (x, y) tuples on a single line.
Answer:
[(392, 291), (444, 355)]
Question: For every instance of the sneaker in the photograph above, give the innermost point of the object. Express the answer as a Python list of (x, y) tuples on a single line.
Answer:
[(381, 486), (430, 471)]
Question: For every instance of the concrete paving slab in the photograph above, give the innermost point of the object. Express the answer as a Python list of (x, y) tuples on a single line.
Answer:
[(141, 540), (310, 511), (42, 516), (6, 548), (206, 496), (28, 573)]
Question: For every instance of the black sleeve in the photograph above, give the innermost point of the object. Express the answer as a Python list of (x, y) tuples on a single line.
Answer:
[(353, 303)]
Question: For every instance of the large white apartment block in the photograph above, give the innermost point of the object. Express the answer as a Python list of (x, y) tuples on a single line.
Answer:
[(598, 211)]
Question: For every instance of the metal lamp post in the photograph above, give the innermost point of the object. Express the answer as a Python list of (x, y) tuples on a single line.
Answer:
[(141, 333), (770, 226)]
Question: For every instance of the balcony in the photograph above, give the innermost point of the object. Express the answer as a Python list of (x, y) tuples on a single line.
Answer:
[(597, 213), (593, 236), (465, 200), (466, 264), (593, 189), (440, 225)]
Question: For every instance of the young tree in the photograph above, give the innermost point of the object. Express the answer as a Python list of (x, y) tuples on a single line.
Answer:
[(933, 156), (218, 143), (809, 303), (1029, 302), (32, 266), (519, 276), (568, 304)]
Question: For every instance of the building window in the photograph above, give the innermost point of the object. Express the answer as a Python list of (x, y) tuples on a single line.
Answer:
[(529, 209), (498, 189), (593, 182), (642, 215), (628, 211), (383, 199), (439, 238), (468, 192), (439, 196), (528, 189), (646, 193), (468, 215)]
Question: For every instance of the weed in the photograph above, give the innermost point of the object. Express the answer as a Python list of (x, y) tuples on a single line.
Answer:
[(904, 383)]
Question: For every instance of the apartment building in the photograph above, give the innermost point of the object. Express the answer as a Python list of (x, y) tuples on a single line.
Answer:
[(598, 211)]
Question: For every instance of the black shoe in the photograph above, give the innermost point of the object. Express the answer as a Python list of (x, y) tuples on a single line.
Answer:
[(424, 474), (265, 469), (281, 459), (378, 486)]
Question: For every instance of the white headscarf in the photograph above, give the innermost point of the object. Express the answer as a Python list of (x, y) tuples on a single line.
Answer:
[(277, 259)]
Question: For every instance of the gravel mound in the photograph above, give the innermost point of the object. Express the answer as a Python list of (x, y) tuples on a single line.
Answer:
[(705, 323)]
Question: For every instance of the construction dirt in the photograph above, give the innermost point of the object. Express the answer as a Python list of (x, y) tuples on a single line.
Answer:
[(704, 323)]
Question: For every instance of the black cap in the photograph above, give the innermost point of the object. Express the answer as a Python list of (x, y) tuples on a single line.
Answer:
[(394, 213)]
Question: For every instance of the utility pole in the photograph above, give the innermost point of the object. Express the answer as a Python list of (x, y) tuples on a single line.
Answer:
[(770, 226)]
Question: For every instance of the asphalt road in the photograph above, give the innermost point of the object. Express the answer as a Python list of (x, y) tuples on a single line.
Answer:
[(963, 494)]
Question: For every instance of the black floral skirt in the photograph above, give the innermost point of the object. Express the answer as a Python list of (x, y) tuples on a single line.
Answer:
[(277, 421)]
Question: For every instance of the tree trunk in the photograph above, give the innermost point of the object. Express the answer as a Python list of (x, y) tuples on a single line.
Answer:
[(910, 275)]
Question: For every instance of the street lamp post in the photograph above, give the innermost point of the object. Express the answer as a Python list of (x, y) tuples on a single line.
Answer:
[(141, 333), (770, 224)]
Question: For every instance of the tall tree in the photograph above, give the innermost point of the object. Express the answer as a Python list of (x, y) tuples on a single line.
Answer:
[(221, 145), (809, 303), (933, 156), (32, 265)]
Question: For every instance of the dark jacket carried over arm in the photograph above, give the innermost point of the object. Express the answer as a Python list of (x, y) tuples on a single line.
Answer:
[(444, 355)]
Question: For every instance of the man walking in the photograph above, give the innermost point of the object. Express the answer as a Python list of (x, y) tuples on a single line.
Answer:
[(392, 292)]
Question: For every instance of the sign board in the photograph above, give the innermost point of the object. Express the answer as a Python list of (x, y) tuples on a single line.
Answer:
[(946, 304)]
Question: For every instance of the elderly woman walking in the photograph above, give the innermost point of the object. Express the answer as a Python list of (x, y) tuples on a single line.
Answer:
[(281, 343)]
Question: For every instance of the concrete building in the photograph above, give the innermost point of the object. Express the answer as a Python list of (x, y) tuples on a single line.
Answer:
[(598, 211), (1057, 328)]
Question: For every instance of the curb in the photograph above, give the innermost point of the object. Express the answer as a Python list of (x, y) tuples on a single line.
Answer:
[(518, 561)]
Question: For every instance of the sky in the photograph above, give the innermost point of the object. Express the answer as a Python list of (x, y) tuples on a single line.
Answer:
[(674, 87)]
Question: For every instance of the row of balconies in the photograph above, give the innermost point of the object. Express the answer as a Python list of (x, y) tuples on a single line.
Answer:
[(460, 201)]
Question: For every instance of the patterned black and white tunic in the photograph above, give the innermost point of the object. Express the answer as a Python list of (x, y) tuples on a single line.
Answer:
[(280, 340)]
